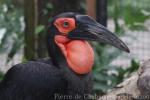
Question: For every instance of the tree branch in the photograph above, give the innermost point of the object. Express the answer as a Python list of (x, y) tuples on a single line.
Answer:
[(134, 88)]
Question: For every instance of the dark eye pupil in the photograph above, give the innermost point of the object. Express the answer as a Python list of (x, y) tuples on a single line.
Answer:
[(66, 24)]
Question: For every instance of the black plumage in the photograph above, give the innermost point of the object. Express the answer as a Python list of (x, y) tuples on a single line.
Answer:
[(41, 80)]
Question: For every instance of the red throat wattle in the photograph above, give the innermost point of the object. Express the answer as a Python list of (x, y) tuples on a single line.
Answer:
[(78, 53)]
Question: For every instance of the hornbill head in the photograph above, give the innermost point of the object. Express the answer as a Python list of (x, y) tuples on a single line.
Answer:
[(67, 36)]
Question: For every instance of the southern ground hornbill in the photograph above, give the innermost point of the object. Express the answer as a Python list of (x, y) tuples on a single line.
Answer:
[(67, 75)]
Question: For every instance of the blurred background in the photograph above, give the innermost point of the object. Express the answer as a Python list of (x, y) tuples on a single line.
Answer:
[(23, 30)]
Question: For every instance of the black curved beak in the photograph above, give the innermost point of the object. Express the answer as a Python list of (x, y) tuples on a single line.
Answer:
[(89, 29)]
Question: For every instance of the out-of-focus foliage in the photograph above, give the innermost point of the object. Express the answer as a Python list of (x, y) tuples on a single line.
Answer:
[(107, 76), (11, 21), (132, 12), (1, 75)]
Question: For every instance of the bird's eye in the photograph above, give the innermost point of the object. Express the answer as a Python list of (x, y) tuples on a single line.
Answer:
[(65, 24)]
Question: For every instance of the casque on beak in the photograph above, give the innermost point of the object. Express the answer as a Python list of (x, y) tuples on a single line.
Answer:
[(88, 29)]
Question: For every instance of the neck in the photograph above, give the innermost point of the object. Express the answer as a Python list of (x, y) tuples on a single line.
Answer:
[(78, 54), (75, 55), (55, 53)]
